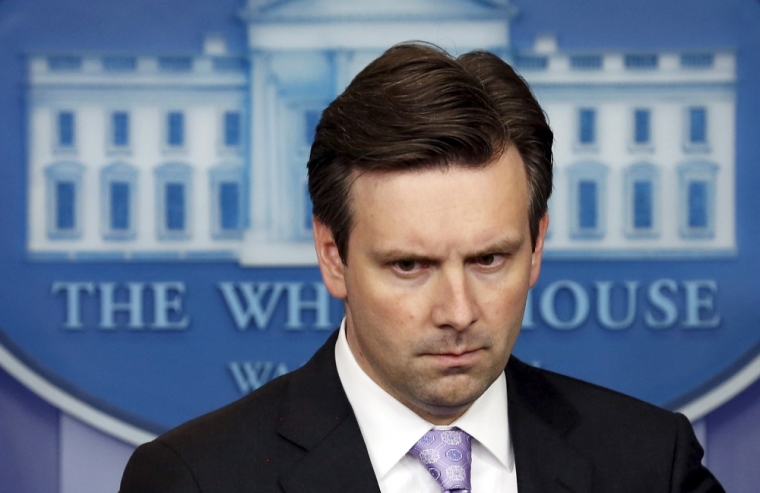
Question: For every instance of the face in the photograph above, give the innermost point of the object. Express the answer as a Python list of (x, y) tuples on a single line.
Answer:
[(438, 270)]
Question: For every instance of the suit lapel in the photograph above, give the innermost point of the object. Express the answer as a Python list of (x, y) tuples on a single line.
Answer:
[(539, 421), (338, 463), (317, 416)]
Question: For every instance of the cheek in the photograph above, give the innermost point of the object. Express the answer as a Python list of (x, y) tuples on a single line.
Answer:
[(503, 306), (387, 313), (394, 304), (398, 315)]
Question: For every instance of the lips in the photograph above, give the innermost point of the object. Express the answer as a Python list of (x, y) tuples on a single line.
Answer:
[(458, 358)]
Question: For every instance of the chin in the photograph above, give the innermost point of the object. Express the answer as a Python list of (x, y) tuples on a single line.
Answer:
[(461, 397)]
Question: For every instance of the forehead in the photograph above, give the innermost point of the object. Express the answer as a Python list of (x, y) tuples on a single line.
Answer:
[(431, 205)]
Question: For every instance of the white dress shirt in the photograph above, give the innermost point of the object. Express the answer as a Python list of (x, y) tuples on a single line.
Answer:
[(390, 429)]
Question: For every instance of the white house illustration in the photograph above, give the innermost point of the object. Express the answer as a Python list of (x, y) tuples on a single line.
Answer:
[(203, 155)]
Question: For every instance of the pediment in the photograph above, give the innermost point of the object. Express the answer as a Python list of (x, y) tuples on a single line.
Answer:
[(374, 10)]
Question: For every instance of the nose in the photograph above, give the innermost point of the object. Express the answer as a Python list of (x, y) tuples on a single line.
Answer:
[(455, 304)]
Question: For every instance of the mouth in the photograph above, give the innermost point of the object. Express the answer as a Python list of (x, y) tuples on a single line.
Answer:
[(457, 358)]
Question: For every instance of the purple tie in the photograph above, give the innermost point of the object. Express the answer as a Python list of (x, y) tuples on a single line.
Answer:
[(446, 455)]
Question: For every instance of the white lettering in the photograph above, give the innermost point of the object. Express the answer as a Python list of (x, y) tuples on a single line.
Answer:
[(296, 305), (109, 306), (657, 298), (581, 304), (700, 299), (254, 296), (73, 291), (250, 375), (163, 306), (604, 308)]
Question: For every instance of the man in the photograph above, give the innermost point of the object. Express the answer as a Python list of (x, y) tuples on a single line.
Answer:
[(429, 177)]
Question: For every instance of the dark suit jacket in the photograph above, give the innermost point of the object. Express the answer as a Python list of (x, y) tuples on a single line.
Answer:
[(298, 434)]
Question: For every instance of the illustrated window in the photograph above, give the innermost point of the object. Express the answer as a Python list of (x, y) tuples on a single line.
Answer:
[(233, 131), (642, 127), (641, 61), (174, 192), (587, 128), (587, 200), (642, 184), (65, 130), (119, 63), (697, 60), (175, 206), (118, 185), (586, 62), (227, 209), (175, 130), (64, 200), (64, 63), (120, 129), (698, 125), (697, 199), (175, 64), (696, 131)]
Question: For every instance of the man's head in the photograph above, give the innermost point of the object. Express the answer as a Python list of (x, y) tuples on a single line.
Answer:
[(429, 177), (416, 107)]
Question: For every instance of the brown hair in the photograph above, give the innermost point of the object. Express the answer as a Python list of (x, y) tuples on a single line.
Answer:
[(417, 107)]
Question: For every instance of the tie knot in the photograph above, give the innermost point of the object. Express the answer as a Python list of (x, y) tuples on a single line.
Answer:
[(447, 456)]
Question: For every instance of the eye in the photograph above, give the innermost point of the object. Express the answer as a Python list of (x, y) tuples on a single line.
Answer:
[(409, 268), (406, 265), (487, 260)]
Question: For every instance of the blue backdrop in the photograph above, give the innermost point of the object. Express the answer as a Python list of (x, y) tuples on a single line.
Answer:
[(155, 379)]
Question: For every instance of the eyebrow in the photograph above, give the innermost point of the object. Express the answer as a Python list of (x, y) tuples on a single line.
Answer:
[(505, 245)]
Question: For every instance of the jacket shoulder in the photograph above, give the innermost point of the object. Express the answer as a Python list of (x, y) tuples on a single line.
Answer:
[(628, 441), (251, 410), (219, 451), (225, 450), (581, 400)]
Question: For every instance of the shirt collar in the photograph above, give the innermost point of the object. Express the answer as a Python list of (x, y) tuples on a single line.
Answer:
[(390, 428), (487, 421)]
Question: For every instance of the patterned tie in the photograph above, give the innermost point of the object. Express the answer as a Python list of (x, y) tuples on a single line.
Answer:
[(446, 455)]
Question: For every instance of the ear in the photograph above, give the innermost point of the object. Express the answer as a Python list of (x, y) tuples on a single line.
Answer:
[(538, 252), (330, 263)]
